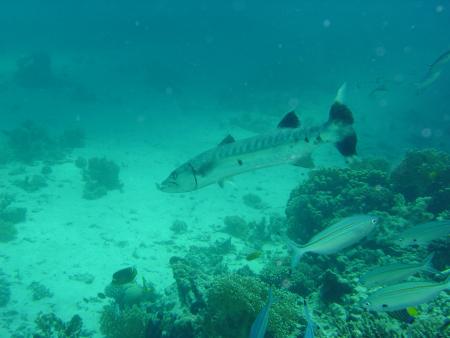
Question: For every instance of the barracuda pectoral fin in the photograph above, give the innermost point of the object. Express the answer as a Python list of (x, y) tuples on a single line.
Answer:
[(305, 161), (290, 120)]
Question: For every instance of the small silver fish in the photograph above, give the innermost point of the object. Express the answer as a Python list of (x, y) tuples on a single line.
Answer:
[(404, 295), (310, 325), (259, 326), (336, 237), (424, 233), (434, 71), (397, 272)]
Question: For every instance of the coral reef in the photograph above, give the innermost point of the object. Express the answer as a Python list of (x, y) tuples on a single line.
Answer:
[(234, 301), (253, 201), (31, 184), (39, 291), (100, 176), (424, 173), (179, 227), (333, 193), (334, 287), (50, 326), (235, 226), (29, 143), (5, 290), (9, 217), (189, 280), (131, 322)]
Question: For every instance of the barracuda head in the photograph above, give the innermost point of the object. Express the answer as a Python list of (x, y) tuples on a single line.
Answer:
[(182, 179)]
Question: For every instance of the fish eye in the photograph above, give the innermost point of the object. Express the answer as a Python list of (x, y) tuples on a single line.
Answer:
[(174, 175), (367, 303), (414, 240), (374, 221)]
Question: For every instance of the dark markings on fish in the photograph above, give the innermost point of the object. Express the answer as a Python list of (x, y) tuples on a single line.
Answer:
[(306, 139), (205, 168), (318, 139), (239, 161), (384, 305)]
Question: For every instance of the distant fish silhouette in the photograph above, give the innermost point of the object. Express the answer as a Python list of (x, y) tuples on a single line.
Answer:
[(434, 71)]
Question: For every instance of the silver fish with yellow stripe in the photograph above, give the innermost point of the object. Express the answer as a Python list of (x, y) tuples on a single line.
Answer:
[(338, 236), (397, 272), (424, 233), (404, 295)]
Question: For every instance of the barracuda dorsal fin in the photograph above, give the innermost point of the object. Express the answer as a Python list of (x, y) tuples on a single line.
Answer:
[(228, 139), (290, 120)]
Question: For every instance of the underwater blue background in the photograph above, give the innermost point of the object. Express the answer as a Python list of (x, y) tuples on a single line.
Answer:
[(141, 87)]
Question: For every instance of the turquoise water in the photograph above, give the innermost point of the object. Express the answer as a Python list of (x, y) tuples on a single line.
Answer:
[(100, 101)]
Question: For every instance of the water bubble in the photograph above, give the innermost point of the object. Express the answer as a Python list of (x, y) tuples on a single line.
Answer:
[(439, 9), (426, 132), (380, 51), (239, 6)]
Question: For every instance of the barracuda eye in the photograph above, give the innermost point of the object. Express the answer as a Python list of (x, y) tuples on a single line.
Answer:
[(374, 221), (367, 304)]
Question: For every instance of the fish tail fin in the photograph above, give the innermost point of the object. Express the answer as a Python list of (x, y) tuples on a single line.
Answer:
[(428, 264), (297, 251), (447, 283), (297, 254), (339, 127)]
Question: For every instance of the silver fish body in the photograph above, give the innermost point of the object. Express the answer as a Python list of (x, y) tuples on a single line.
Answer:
[(394, 273), (336, 237), (259, 326), (434, 71), (424, 233), (403, 295), (286, 145)]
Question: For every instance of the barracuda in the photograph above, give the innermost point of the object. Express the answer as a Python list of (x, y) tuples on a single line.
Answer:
[(289, 144)]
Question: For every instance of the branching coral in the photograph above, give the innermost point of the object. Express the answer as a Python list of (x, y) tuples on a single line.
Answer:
[(233, 302), (131, 322), (332, 193), (50, 326), (5, 290), (100, 176), (29, 143), (424, 173), (9, 217)]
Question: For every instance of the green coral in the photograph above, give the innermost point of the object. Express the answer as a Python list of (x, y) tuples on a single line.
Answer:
[(9, 217), (424, 173), (100, 176), (50, 326), (5, 290), (30, 143), (234, 301), (332, 193), (130, 322)]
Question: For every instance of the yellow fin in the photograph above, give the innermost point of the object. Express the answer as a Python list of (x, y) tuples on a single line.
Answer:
[(412, 311)]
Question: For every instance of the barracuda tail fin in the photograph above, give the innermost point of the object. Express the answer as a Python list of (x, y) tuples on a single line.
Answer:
[(340, 123)]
